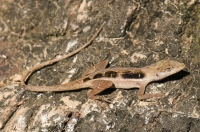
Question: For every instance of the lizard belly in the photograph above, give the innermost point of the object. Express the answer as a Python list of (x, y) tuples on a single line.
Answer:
[(125, 83)]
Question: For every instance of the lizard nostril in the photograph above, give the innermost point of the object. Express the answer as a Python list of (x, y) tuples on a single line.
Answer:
[(156, 74)]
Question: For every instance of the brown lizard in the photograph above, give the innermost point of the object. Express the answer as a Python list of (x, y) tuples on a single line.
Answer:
[(100, 78)]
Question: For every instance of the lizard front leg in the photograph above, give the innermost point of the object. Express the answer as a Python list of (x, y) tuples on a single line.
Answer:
[(98, 87), (142, 95)]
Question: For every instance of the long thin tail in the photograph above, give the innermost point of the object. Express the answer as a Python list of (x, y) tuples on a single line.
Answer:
[(37, 67), (55, 88)]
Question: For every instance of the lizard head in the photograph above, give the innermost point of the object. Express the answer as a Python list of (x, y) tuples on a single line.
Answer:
[(164, 68)]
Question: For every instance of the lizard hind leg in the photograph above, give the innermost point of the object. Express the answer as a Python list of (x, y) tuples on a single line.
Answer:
[(98, 87), (100, 66)]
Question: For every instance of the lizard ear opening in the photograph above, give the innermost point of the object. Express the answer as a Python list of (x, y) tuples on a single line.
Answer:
[(100, 66)]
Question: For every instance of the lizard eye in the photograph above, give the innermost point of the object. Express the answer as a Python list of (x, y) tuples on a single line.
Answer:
[(168, 68)]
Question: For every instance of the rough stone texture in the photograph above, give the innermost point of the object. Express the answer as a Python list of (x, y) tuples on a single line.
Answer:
[(137, 33)]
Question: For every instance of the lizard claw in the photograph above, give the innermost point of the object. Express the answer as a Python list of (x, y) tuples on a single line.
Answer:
[(102, 99)]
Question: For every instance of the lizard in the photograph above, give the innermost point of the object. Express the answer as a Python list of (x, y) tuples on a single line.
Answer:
[(100, 78)]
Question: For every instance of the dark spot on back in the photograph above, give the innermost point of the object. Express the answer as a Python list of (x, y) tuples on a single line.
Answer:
[(99, 75), (111, 74), (133, 75), (86, 79)]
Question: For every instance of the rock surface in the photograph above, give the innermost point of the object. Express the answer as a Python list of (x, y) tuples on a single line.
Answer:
[(137, 33)]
